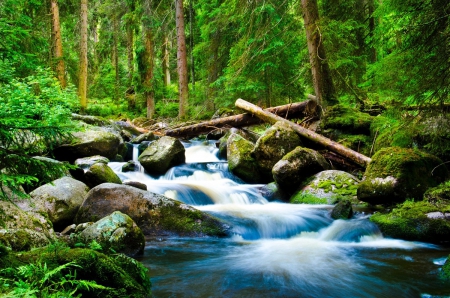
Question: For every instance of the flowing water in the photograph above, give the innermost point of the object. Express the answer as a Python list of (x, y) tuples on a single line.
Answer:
[(278, 250)]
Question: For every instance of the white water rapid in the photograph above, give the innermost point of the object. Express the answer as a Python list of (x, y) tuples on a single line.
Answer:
[(277, 249)]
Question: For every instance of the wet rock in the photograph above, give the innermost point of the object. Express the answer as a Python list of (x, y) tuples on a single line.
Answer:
[(396, 174), (86, 162), (58, 200), (116, 231), (296, 166), (136, 184), (69, 229), (240, 159), (95, 141), (275, 143), (342, 210), (149, 136), (130, 166), (161, 155), (128, 152), (22, 239), (153, 213), (100, 173), (327, 187)]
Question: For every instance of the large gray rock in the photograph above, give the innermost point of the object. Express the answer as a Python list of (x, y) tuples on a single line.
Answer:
[(100, 173), (59, 200), (95, 141), (22, 230), (275, 143), (86, 162), (327, 187), (162, 154), (154, 214), (117, 231), (240, 159), (395, 174), (296, 166)]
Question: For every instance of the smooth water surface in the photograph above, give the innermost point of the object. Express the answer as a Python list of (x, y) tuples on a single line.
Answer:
[(277, 249)]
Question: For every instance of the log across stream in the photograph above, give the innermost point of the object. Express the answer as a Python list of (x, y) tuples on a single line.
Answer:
[(278, 249)]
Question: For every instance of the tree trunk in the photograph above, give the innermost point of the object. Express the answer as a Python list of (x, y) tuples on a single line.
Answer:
[(148, 79), (82, 87), (213, 69), (373, 51), (130, 38), (58, 52), (304, 132), (322, 81), (181, 60), (115, 55), (191, 42), (166, 56), (295, 110)]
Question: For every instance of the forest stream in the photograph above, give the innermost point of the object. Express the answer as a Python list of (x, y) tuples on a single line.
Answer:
[(278, 249)]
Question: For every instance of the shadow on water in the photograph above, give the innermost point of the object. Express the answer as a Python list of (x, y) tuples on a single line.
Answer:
[(278, 250)]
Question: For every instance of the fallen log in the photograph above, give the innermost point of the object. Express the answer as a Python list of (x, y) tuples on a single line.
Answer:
[(304, 132), (293, 110)]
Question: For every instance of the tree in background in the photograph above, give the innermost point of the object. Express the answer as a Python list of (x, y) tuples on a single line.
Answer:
[(181, 60), (57, 44), (82, 87)]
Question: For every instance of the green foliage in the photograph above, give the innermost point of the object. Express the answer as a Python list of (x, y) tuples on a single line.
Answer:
[(94, 245), (34, 118)]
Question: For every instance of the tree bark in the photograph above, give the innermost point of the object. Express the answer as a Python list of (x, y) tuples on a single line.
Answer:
[(115, 54), (322, 81), (58, 53), (166, 57), (82, 87), (148, 79), (213, 69), (294, 110), (181, 60), (304, 132), (191, 42)]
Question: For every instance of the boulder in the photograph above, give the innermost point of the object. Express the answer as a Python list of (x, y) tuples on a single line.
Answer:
[(100, 173), (240, 159), (129, 166), (136, 184), (59, 200), (396, 174), (116, 231), (342, 210), (22, 230), (93, 120), (252, 137), (148, 136), (327, 187), (95, 141), (275, 143), (154, 214), (86, 162), (296, 166), (161, 155)]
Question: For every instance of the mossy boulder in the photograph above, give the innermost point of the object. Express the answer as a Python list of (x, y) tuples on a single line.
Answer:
[(296, 166), (87, 162), (92, 120), (23, 230), (438, 193), (58, 200), (346, 118), (122, 275), (416, 221), (342, 210), (154, 214), (250, 136), (240, 159), (100, 173), (94, 141), (148, 136), (162, 154), (327, 187), (275, 143), (116, 231), (395, 174), (129, 166)]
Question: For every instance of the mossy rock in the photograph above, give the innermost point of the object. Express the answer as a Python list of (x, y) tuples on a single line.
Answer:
[(162, 154), (240, 159), (87, 162), (100, 173), (23, 239), (395, 174), (416, 221), (346, 118), (149, 136), (327, 187), (438, 193), (342, 210), (296, 166), (275, 143), (124, 276)]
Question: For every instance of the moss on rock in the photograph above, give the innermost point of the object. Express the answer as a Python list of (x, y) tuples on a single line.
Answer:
[(101, 173), (162, 154), (347, 118), (240, 159)]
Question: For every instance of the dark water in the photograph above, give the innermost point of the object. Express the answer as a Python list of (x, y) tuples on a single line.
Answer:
[(279, 250)]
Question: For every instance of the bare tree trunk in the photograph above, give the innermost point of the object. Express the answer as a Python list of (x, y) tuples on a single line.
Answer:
[(115, 55), (130, 40), (213, 69), (322, 81), (148, 79), (58, 53), (166, 56), (191, 42), (181, 60), (304, 132), (82, 87)]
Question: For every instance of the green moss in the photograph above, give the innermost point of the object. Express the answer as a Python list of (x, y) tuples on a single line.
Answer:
[(409, 221), (347, 118), (438, 193), (240, 159), (445, 273), (304, 197)]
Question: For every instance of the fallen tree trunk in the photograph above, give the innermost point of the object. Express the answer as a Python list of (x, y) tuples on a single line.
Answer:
[(289, 111), (304, 132)]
